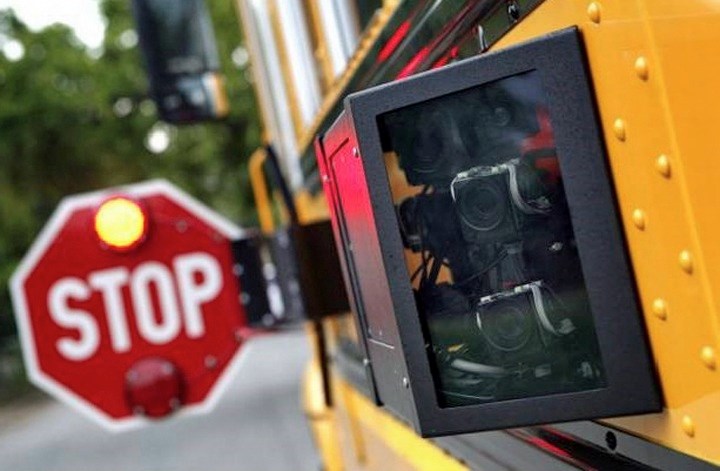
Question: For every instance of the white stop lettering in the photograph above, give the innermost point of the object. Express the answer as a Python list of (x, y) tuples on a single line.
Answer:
[(197, 275)]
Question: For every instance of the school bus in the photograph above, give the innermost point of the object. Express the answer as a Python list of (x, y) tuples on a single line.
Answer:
[(517, 196)]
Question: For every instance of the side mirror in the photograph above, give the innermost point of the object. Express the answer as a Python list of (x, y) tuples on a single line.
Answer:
[(178, 44)]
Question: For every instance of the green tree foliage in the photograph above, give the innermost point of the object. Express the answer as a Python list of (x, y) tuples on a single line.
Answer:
[(75, 120)]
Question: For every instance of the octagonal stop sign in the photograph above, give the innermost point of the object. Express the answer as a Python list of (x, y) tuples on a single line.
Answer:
[(136, 316)]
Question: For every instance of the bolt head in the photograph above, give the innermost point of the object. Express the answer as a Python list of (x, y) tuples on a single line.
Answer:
[(619, 129), (662, 164), (638, 217), (688, 426), (660, 309), (708, 357), (686, 261), (641, 68), (594, 12)]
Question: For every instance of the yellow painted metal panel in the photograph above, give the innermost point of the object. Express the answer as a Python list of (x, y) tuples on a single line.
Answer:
[(653, 63), (390, 444)]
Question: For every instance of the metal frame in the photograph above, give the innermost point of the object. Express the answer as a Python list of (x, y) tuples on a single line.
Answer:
[(401, 366)]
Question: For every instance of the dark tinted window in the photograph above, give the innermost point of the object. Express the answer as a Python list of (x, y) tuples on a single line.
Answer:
[(489, 244)]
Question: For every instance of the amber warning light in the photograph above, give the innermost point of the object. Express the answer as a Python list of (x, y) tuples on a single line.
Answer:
[(121, 223)]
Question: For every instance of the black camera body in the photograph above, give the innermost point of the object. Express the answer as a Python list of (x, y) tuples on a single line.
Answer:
[(483, 203), (518, 325), (508, 344), (492, 202)]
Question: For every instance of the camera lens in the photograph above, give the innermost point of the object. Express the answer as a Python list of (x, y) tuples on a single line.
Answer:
[(481, 205), (506, 325)]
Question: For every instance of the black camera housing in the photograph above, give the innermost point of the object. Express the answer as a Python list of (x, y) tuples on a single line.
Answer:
[(399, 317)]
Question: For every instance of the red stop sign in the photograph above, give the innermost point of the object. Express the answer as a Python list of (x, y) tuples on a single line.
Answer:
[(123, 334)]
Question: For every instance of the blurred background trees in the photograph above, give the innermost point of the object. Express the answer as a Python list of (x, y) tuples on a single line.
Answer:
[(74, 119)]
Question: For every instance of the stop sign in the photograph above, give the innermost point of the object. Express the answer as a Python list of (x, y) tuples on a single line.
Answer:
[(142, 329)]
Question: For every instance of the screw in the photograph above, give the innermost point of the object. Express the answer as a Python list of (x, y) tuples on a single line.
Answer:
[(611, 441), (268, 320), (245, 299), (406, 382), (210, 362), (238, 269), (355, 152), (556, 247), (181, 225)]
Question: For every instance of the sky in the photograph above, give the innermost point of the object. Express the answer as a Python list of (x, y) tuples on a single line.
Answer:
[(81, 15)]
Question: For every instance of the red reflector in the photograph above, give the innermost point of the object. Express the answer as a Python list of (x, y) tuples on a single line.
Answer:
[(154, 387)]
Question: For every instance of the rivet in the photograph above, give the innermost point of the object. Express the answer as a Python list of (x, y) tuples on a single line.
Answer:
[(688, 426), (638, 217), (663, 165), (641, 68), (593, 12), (355, 152), (659, 308), (210, 362), (686, 261), (708, 357), (619, 129), (406, 383)]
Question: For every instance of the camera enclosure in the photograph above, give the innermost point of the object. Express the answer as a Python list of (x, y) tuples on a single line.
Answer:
[(480, 241)]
